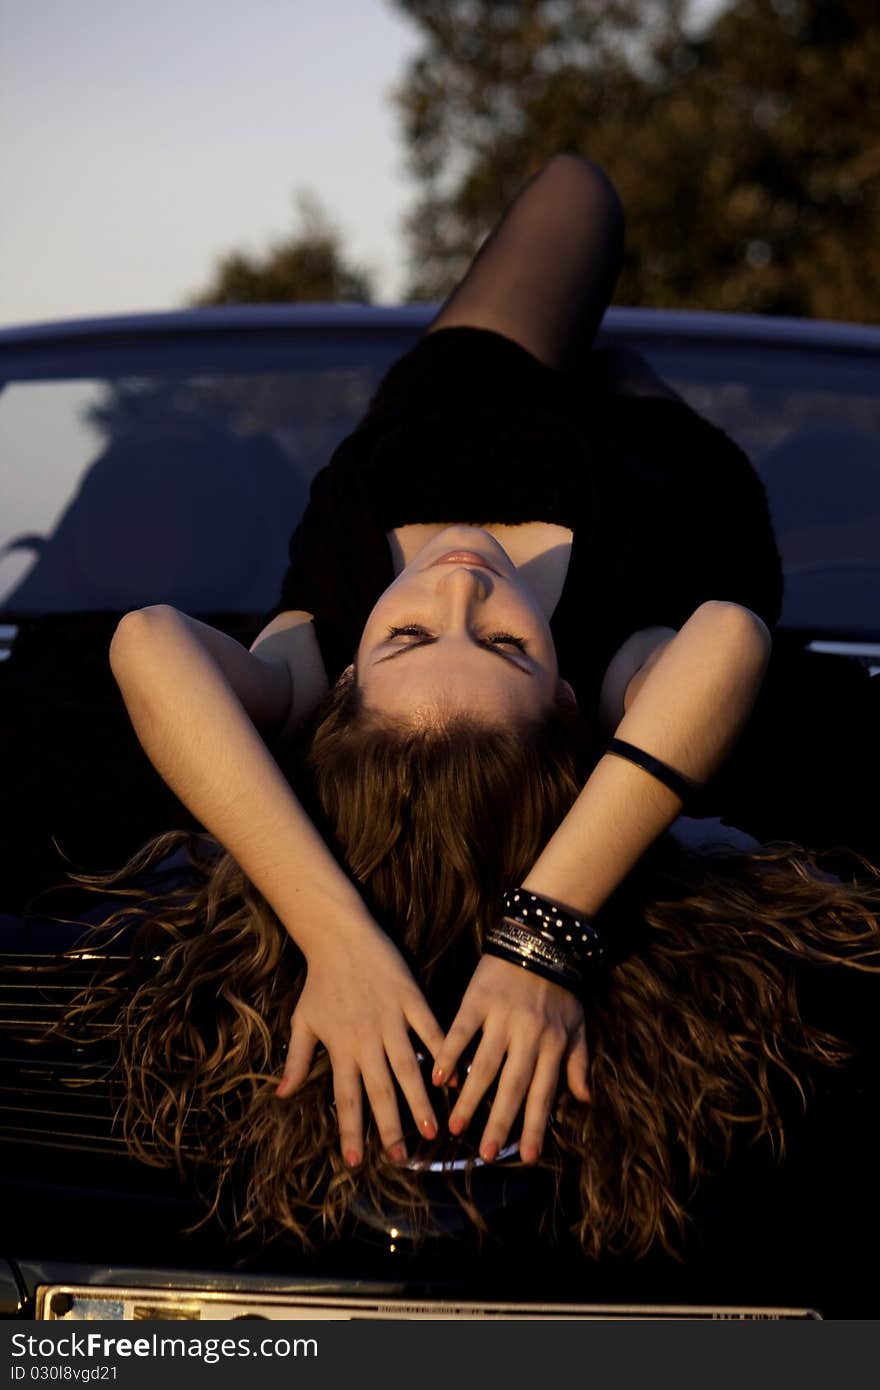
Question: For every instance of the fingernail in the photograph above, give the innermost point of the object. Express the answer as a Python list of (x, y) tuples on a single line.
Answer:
[(528, 1153), (397, 1153), (439, 1076), (352, 1158), (489, 1151), (428, 1128), (456, 1124)]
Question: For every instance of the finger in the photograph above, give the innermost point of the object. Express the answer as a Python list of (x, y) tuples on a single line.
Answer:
[(406, 1069), (515, 1081), (484, 1069), (383, 1103), (300, 1052), (540, 1099), (424, 1024), (577, 1069), (464, 1026), (349, 1110)]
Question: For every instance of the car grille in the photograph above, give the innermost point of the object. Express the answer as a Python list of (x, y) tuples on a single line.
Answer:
[(53, 1093)]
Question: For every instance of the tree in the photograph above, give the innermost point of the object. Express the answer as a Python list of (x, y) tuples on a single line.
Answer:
[(308, 265), (747, 156)]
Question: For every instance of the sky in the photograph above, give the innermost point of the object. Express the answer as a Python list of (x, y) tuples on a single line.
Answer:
[(142, 141)]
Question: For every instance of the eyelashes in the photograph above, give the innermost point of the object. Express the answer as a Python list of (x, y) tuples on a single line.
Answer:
[(492, 639)]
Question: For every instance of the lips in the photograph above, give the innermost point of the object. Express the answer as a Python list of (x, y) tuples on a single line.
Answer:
[(463, 557)]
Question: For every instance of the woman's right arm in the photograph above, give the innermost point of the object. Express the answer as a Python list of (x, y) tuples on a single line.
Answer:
[(197, 699)]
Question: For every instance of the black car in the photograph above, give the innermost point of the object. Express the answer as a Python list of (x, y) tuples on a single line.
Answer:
[(165, 458)]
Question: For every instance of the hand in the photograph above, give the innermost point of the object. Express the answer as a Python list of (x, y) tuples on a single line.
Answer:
[(536, 1025), (359, 1000)]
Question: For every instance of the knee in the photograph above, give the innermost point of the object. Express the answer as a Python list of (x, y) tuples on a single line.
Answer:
[(578, 172)]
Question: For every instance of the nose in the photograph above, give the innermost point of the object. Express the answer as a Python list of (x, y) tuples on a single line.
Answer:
[(463, 585)]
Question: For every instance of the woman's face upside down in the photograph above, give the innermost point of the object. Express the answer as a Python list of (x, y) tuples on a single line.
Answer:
[(459, 631)]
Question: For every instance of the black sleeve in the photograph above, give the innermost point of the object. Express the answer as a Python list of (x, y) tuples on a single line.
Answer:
[(698, 519), (339, 558)]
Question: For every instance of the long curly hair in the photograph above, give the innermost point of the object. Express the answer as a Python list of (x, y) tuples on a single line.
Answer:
[(697, 1037)]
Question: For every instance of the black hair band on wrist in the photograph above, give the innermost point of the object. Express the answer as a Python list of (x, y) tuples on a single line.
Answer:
[(682, 786)]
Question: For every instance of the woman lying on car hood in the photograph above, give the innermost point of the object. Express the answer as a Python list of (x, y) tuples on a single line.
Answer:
[(526, 625)]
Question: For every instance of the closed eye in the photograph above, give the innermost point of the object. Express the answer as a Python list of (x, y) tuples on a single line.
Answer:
[(505, 639), (410, 630), (494, 644), (491, 639)]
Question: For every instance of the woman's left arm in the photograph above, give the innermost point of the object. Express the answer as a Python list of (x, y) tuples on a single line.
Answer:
[(688, 710)]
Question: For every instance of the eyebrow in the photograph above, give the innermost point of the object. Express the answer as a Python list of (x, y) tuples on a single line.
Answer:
[(494, 651)]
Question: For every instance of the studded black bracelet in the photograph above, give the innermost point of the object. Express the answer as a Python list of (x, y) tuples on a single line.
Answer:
[(572, 934)]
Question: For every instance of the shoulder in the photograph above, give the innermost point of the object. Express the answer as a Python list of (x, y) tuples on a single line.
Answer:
[(290, 640), (634, 656)]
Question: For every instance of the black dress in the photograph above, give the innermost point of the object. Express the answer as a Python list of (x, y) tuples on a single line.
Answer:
[(666, 512)]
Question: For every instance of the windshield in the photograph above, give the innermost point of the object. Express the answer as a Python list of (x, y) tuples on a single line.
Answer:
[(164, 485), (173, 471)]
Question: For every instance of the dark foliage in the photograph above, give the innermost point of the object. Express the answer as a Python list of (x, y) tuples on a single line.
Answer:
[(307, 265), (747, 155)]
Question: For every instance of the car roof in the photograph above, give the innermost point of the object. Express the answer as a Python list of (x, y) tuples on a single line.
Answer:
[(376, 318)]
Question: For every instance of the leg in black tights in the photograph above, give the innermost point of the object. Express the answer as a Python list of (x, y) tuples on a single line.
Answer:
[(545, 274)]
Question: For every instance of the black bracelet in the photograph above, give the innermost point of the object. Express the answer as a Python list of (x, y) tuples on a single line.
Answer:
[(575, 936), (677, 783), (519, 947)]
